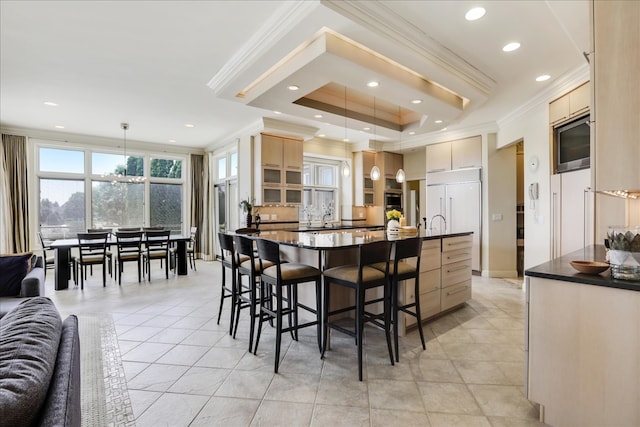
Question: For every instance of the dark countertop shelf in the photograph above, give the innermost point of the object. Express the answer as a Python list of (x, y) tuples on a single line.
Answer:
[(560, 269)]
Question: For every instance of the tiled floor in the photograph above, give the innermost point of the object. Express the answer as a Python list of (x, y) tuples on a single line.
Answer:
[(183, 368)]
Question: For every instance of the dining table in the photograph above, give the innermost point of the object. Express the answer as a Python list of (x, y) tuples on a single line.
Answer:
[(62, 250)]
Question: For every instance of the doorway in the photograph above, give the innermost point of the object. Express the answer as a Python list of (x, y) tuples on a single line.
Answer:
[(520, 208)]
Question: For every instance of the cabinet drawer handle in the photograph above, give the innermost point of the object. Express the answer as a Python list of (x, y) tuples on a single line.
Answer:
[(271, 164), (462, 267), (457, 291), (459, 256), (464, 242)]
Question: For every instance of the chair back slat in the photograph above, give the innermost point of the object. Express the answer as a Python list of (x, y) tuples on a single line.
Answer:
[(226, 245), (408, 248), (375, 252), (157, 240), (268, 251), (129, 242), (92, 244)]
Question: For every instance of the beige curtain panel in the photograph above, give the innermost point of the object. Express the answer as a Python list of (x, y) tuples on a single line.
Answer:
[(15, 204)]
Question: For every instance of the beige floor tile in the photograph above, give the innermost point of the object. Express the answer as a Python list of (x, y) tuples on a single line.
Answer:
[(172, 409), (478, 372), (161, 321), (171, 335), (290, 414), (131, 369), (449, 398), (291, 387), (387, 417), (157, 377), (343, 392), (504, 401), (147, 352), (437, 370), (141, 400), (457, 420), (245, 384), (398, 395), (332, 416), (221, 358), (183, 355), (226, 412), (139, 333), (197, 380)]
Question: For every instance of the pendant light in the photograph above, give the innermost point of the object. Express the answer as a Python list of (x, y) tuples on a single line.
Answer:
[(346, 170), (375, 170), (400, 176), (125, 127)]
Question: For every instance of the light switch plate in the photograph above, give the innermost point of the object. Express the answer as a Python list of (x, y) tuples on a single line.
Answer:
[(496, 217)]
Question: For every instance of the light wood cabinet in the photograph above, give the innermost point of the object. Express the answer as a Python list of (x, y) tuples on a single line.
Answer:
[(458, 154), (281, 161), (445, 277), (615, 68), (363, 186), (570, 105)]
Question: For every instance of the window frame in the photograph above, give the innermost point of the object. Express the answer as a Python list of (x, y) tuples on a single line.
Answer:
[(315, 163)]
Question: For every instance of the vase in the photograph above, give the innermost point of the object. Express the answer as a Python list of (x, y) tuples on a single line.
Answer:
[(249, 220), (393, 226)]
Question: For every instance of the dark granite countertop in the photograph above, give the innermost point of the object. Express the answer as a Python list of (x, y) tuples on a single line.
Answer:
[(340, 239), (338, 227), (560, 269)]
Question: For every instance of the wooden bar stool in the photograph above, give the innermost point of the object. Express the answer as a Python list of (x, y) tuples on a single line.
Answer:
[(406, 249), (281, 276), (361, 277)]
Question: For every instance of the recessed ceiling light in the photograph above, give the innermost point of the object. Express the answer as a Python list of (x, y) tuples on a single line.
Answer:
[(345, 140), (367, 128), (475, 13), (543, 78), (189, 125), (322, 135), (293, 87), (373, 83), (317, 116), (510, 47), (412, 133), (50, 104), (277, 112), (172, 140), (438, 121), (59, 127), (444, 128), (416, 101)]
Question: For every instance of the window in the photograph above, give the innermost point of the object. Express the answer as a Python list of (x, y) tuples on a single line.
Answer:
[(222, 168), (121, 191), (320, 195), (234, 164), (62, 208)]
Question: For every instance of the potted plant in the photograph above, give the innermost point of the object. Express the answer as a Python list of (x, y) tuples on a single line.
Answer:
[(393, 217), (247, 206)]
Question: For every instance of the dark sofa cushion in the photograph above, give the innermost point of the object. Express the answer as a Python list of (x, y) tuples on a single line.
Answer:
[(13, 268), (29, 339), (62, 407)]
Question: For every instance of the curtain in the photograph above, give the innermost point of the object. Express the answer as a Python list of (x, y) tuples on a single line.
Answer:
[(15, 204), (200, 204)]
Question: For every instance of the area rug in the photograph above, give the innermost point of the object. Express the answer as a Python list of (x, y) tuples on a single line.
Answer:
[(105, 398)]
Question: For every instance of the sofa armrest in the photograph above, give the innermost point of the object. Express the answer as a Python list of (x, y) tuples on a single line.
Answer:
[(33, 283)]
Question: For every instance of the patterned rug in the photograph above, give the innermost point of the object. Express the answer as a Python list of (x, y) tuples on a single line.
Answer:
[(105, 398)]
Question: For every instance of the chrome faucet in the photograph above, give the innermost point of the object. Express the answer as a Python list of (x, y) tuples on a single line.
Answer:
[(308, 211), (436, 216)]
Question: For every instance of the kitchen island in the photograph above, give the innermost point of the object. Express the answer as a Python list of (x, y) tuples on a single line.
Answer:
[(445, 267), (582, 344)]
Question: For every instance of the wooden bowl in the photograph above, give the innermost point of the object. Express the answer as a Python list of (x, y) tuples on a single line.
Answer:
[(590, 267)]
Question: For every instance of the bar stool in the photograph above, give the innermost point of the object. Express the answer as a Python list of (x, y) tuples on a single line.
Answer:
[(230, 261), (281, 276), (247, 296), (361, 277), (399, 271)]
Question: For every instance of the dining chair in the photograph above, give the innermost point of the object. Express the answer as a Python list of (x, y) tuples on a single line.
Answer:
[(129, 228), (405, 266), (157, 247), (191, 247), (109, 253), (361, 277), (247, 296), (230, 260), (92, 251), (129, 244), (284, 278), (50, 261)]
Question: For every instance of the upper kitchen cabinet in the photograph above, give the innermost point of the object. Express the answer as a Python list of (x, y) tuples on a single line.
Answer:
[(458, 154), (363, 187), (616, 112), (570, 105), (280, 160)]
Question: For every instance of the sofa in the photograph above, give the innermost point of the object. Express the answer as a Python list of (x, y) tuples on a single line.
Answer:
[(21, 276), (39, 366)]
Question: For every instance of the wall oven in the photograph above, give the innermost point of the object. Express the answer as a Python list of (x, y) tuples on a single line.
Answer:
[(393, 200)]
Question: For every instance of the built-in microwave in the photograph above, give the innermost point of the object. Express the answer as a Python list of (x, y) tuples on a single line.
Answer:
[(573, 145), (393, 200)]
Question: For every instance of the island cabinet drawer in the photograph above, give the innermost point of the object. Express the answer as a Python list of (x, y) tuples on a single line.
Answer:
[(429, 306), (429, 281), (455, 295), (456, 256), (457, 243), (429, 256), (456, 272)]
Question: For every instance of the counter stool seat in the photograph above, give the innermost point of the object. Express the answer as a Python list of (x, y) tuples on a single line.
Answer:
[(284, 278), (361, 277)]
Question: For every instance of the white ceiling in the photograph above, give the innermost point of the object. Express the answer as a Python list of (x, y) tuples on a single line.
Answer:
[(161, 64)]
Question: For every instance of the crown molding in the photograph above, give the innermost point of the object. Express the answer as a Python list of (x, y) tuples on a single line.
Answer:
[(267, 36), (251, 129), (288, 128), (381, 19), (560, 86)]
